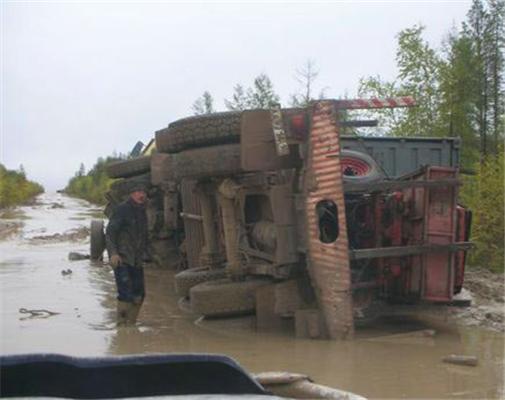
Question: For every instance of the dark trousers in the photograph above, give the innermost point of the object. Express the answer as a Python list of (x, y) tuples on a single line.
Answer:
[(130, 283)]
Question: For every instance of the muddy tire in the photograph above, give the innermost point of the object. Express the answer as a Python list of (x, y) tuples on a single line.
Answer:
[(185, 280), (120, 188), (223, 297), (97, 240), (360, 167), (127, 168), (208, 161), (199, 131)]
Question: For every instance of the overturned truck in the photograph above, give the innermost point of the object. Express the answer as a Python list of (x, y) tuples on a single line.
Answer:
[(276, 212)]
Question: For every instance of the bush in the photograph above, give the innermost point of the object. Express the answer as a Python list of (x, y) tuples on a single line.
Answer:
[(484, 195), (15, 189)]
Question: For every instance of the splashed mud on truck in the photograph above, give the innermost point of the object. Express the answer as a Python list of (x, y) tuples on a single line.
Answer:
[(276, 212)]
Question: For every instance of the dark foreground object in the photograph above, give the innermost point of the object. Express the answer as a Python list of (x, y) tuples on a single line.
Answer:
[(51, 375)]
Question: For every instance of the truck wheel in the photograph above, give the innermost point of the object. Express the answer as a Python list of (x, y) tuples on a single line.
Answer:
[(225, 298), (121, 187), (214, 160), (359, 167), (97, 240), (127, 168), (199, 131), (185, 280)]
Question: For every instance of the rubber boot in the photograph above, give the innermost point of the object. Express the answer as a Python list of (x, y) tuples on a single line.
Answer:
[(123, 309), (133, 313)]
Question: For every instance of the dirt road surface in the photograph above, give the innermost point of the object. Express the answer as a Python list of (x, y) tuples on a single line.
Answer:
[(389, 360)]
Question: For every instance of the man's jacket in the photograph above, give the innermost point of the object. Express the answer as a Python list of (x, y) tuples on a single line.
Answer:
[(126, 233)]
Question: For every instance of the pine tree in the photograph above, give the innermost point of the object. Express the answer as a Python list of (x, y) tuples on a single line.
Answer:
[(82, 170), (459, 89), (261, 95), (475, 29), (239, 99), (496, 43), (204, 104)]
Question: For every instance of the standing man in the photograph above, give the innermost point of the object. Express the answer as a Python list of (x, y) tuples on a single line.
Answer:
[(126, 238)]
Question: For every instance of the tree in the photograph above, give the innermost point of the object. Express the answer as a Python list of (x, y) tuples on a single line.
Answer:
[(496, 42), (484, 195), (419, 70), (485, 32), (82, 170), (459, 89), (305, 76), (390, 119), (239, 99), (261, 95), (204, 104), (475, 29)]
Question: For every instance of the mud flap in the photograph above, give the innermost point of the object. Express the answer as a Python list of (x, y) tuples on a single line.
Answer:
[(327, 247)]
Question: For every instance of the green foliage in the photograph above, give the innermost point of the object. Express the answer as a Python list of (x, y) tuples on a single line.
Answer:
[(261, 95), (458, 86), (390, 119), (484, 195), (93, 185), (484, 29), (204, 105), (238, 100), (459, 92), (15, 189), (419, 71)]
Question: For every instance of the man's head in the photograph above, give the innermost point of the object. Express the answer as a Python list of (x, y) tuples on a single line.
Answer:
[(138, 193)]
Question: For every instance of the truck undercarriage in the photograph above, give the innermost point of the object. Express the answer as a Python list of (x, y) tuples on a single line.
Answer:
[(275, 212)]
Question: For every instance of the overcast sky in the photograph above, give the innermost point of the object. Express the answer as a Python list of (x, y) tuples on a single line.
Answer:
[(82, 79)]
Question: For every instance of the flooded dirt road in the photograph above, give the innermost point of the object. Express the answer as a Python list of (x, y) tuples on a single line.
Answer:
[(382, 362)]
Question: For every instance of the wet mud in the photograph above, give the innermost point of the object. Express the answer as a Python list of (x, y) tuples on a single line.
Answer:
[(487, 291), (397, 357), (68, 236)]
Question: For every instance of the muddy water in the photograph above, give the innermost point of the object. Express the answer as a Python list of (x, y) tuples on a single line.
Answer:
[(382, 362)]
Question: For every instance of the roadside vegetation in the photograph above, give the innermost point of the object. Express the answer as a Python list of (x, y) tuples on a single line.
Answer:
[(459, 90), (15, 188), (484, 195), (93, 185)]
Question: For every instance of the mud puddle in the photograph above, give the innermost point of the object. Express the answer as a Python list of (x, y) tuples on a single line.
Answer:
[(384, 361)]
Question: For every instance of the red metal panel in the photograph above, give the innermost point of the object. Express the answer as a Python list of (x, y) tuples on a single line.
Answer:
[(328, 262), (440, 228), (460, 255), (433, 220)]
